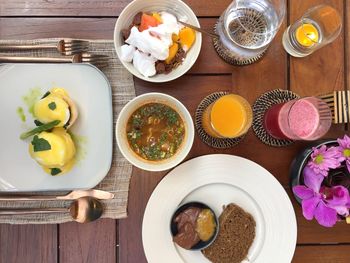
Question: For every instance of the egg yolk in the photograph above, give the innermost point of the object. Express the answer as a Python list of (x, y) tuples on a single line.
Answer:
[(62, 152)]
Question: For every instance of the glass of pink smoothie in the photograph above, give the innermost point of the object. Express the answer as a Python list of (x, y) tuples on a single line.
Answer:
[(304, 119)]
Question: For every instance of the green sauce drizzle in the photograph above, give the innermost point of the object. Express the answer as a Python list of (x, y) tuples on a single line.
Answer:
[(80, 145), (20, 113), (33, 96)]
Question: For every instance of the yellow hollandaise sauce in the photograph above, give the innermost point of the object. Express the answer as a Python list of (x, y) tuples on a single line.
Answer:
[(54, 151), (54, 105)]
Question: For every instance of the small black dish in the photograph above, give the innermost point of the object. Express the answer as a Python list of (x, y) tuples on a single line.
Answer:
[(339, 176), (201, 244)]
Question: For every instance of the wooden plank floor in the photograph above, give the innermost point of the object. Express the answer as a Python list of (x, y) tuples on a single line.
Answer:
[(120, 241)]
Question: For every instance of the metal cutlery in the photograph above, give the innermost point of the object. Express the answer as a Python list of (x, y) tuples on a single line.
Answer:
[(213, 35), (66, 47), (82, 210), (76, 194), (97, 60)]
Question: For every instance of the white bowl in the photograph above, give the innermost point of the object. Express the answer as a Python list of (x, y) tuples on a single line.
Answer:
[(177, 7), (123, 143)]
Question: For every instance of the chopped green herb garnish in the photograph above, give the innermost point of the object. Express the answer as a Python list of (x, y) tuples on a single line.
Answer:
[(40, 144), (55, 171), (31, 98), (46, 94), (44, 127), (52, 105), (155, 131), (137, 122), (38, 123)]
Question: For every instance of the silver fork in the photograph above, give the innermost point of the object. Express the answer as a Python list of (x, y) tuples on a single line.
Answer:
[(97, 60), (66, 47)]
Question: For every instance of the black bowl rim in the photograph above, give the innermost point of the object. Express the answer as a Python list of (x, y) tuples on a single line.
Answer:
[(201, 244)]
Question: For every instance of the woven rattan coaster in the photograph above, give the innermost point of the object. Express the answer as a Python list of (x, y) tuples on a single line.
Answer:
[(261, 105), (206, 138), (231, 57)]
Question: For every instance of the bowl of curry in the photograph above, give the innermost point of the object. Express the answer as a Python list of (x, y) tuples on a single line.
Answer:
[(154, 132)]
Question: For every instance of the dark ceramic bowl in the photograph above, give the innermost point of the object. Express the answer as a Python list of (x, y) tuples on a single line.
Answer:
[(201, 244), (339, 176)]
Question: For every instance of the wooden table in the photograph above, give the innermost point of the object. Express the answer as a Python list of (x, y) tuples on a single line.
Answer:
[(120, 240)]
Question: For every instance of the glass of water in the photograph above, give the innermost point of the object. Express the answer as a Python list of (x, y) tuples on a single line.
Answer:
[(318, 27), (246, 29)]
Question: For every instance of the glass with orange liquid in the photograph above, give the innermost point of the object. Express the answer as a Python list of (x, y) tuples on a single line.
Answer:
[(228, 117)]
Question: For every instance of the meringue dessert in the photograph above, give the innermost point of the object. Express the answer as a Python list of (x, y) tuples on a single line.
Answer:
[(156, 43)]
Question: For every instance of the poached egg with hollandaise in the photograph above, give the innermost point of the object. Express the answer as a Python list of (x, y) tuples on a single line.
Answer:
[(53, 150), (56, 105)]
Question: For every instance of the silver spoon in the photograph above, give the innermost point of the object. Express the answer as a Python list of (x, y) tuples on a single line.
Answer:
[(213, 35), (83, 210)]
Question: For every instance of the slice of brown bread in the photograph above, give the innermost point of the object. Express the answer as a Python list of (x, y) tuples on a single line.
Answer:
[(236, 235)]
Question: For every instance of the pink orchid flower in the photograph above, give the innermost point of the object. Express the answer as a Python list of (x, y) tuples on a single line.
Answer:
[(323, 203)]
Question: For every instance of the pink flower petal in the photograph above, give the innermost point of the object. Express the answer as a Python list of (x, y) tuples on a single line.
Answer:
[(339, 200), (312, 180), (309, 206), (318, 169), (303, 192), (341, 210), (325, 216), (339, 196), (345, 142)]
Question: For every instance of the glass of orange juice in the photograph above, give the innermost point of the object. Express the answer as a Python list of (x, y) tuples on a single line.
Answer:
[(228, 117)]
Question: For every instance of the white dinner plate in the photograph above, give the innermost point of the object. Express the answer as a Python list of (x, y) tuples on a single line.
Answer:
[(90, 90), (218, 180)]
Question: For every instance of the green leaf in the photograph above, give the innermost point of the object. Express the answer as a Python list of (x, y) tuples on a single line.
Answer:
[(38, 123), (66, 125), (40, 144), (55, 171), (44, 127), (52, 106), (46, 94)]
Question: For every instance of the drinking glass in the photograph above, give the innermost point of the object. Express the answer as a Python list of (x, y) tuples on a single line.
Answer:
[(246, 29), (303, 119), (228, 117), (318, 27)]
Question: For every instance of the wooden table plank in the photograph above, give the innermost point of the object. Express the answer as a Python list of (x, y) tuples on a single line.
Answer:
[(347, 41), (92, 242), (101, 8), (322, 71), (322, 254), (310, 232), (28, 243), (130, 229)]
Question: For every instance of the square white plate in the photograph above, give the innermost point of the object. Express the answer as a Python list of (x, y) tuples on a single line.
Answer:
[(90, 90)]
